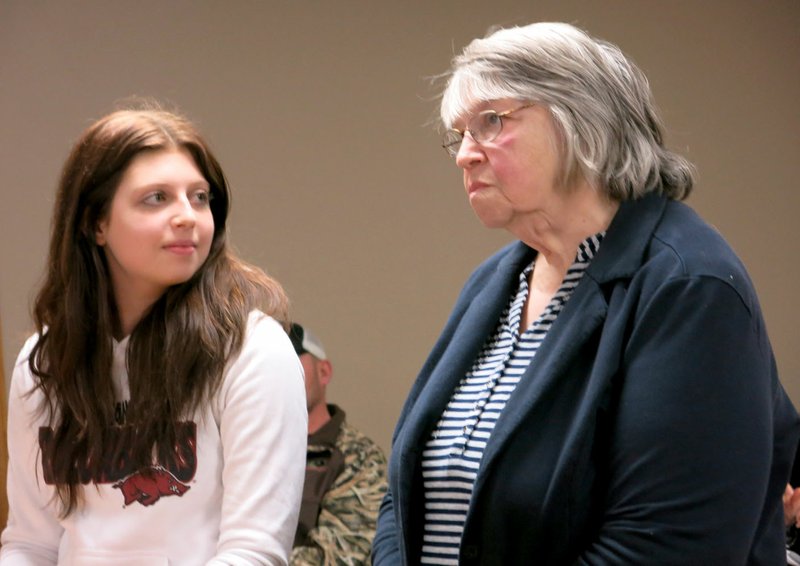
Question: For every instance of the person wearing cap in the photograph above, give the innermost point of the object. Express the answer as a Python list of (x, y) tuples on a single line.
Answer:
[(345, 472)]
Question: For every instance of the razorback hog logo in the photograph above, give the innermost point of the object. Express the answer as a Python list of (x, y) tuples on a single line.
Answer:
[(147, 487), (172, 466)]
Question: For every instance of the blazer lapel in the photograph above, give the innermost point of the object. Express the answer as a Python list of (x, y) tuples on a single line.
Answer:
[(477, 324), (582, 315), (620, 256)]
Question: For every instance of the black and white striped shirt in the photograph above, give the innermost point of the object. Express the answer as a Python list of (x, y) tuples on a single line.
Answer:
[(452, 455)]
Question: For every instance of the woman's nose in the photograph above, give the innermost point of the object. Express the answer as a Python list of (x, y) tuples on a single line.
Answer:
[(185, 214), (470, 152)]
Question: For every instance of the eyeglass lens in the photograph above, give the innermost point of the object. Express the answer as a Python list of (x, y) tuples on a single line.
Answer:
[(483, 127)]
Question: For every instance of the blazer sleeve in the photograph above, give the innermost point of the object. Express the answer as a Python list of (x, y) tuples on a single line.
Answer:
[(493, 271), (693, 427), (386, 545)]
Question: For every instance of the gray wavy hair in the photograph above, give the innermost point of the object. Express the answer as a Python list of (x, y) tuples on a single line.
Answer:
[(600, 102)]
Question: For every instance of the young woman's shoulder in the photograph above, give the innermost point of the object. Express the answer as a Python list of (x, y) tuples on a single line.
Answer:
[(266, 342), (263, 330), (21, 369), (265, 372), (22, 388)]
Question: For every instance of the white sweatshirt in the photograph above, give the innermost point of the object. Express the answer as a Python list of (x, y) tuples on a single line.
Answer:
[(237, 504)]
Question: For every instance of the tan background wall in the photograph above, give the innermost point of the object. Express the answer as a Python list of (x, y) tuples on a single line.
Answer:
[(318, 111)]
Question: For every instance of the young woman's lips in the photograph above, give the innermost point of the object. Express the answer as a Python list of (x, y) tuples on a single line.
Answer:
[(181, 248)]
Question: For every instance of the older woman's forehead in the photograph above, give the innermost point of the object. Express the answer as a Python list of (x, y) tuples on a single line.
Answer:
[(468, 108), (469, 93), (474, 107)]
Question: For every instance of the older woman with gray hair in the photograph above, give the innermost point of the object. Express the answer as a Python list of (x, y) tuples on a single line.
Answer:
[(604, 391)]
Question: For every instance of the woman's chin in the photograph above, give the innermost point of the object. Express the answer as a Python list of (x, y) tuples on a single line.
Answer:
[(490, 217)]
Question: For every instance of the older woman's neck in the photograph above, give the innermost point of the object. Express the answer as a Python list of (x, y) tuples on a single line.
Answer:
[(580, 217), (557, 231)]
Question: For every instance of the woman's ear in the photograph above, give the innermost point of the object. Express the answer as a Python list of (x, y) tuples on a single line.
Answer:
[(100, 233)]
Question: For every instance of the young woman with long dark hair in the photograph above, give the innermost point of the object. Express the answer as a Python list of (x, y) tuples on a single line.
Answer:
[(157, 415)]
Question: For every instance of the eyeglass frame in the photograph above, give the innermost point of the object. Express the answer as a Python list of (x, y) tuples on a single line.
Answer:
[(462, 133)]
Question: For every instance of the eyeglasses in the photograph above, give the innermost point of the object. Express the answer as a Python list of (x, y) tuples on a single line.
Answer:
[(483, 127)]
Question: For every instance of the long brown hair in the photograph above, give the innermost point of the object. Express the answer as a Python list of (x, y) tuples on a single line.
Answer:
[(176, 353)]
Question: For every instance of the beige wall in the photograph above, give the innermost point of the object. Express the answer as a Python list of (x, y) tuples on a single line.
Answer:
[(318, 112)]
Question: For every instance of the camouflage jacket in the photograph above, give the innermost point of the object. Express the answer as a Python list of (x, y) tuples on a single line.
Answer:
[(345, 484)]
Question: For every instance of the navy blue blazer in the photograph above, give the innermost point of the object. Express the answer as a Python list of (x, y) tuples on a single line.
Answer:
[(650, 428)]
